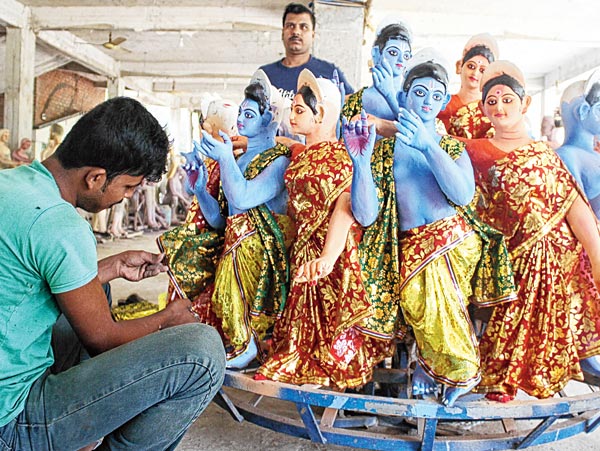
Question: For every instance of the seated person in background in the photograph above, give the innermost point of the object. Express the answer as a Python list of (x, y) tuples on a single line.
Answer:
[(252, 276), (463, 116), (580, 112), (549, 132), (56, 135), (6, 160), (428, 176), (113, 394), (22, 153)]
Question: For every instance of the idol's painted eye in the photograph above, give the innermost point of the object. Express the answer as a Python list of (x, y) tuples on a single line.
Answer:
[(419, 92), (407, 56), (437, 97), (393, 52), (491, 101)]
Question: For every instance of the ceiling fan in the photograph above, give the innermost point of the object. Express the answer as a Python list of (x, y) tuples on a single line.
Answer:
[(114, 44)]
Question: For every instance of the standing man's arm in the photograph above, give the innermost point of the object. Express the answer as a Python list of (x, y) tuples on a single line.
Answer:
[(343, 79)]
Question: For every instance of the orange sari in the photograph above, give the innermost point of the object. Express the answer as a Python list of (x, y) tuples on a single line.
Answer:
[(535, 343)]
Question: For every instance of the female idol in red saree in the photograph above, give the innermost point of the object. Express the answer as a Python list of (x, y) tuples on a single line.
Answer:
[(315, 340), (551, 331)]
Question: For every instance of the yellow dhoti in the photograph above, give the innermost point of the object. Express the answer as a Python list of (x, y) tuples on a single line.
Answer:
[(237, 282), (438, 262)]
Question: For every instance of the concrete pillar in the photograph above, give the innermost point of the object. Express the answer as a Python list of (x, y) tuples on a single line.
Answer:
[(339, 38), (175, 128), (18, 97), (115, 87)]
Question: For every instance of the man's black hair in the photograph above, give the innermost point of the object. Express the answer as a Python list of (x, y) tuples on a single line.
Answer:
[(309, 98), (478, 50), (504, 80), (256, 91), (120, 136), (392, 31), (299, 8), (426, 69)]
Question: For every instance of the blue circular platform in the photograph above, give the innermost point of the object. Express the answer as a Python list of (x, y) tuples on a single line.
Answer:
[(389, 423)]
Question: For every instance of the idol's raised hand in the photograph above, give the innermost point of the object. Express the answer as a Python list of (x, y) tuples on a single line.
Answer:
[(342, 88), (197, 177), (359, 138), (383, 78), (213, 148), (340, 85), (412, 131)]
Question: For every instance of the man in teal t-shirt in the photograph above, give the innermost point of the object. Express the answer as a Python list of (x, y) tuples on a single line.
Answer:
[(31, 271), (159, 370)]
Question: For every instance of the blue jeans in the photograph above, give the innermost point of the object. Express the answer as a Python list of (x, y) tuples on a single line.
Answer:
[(143, 395)]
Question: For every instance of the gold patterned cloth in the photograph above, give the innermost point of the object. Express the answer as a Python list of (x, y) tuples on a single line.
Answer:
[(192, 251), (380, 251), (315, 339), (252, 276), (353, 104), (535, 343), (438, 263), (135, 310), (244, 299), (465, 120), (492, 281)]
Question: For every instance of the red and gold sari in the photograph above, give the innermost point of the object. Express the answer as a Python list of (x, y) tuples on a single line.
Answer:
[(315, 341), (536, 342)]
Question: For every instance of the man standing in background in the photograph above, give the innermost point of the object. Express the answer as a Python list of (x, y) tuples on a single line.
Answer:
[(297, 35)]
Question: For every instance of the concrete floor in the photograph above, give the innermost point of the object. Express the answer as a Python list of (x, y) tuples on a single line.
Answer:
[(215, 430)]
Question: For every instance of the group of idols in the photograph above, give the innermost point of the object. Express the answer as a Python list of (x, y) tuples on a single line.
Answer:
[(403, 206)]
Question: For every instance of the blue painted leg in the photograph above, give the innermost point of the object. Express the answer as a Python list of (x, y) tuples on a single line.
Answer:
[(422, 383)]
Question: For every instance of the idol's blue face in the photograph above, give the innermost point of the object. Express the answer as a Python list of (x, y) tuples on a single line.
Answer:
[(396, 52), (592, 121), (426, 97), (249, 121)]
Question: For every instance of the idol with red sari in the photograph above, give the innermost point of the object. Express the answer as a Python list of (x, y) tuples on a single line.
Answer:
[(315, 340), (545, 337), (463, 116)]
